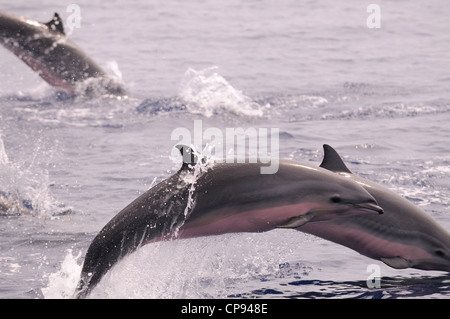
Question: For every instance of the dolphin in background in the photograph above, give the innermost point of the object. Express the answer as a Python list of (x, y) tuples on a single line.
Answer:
[(218, 198), (403, 237), (60, 62)]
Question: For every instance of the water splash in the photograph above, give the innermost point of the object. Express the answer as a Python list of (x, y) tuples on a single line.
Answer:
[(62, 283), (104, 87), (209, 93), (26, 187), (114, 67), (3, 156), (206, 267), (189, 178)]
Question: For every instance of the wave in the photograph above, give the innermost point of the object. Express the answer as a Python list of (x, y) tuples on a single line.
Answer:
[(207, 93), (391, 288), (61, 109), (345, 104), (420, 183), (394, 110)]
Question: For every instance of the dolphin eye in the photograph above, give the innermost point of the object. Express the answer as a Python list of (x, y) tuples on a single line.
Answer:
[(335, 199), (439, 253)]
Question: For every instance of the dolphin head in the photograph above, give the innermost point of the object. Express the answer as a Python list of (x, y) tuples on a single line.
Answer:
[(337, 199), (403, 237), (429, 254), (414, 239), (438, 258)]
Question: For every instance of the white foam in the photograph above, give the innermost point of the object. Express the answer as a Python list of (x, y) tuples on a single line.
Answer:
[(3, 156), (204, 267), (26, 186), (62, 283), (207, 92), (114, 67), (9, 266)]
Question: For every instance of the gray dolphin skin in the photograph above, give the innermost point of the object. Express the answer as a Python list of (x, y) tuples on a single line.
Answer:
[(403, 237), (224, 198), (59, 61)]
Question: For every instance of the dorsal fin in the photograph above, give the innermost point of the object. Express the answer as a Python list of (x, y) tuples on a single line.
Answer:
[(190, 157), (56, 24), (332, 161)]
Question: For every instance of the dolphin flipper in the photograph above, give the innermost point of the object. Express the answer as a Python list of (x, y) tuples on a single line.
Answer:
[(396, 262), (297, 221)]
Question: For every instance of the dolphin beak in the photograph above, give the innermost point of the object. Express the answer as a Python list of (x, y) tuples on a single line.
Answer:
[(370, 206)]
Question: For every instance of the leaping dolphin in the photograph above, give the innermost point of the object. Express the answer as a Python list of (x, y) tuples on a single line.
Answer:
[(59, 61), (403, 237), (227, 197)]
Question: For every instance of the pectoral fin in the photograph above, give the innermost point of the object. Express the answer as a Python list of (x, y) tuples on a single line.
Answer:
[(297, 221), (396, 262)]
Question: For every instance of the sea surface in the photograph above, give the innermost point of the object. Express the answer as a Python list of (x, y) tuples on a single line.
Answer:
[(314, 70)]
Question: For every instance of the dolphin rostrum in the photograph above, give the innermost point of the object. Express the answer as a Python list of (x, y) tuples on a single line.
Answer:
[(218, 198), (403, 237), (60, 62)]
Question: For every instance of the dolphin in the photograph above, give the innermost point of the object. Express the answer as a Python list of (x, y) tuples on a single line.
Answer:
[(403, 237), (59, 61), (211, 199)]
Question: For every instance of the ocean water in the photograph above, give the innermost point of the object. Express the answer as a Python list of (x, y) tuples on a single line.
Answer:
[(312, 69)]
